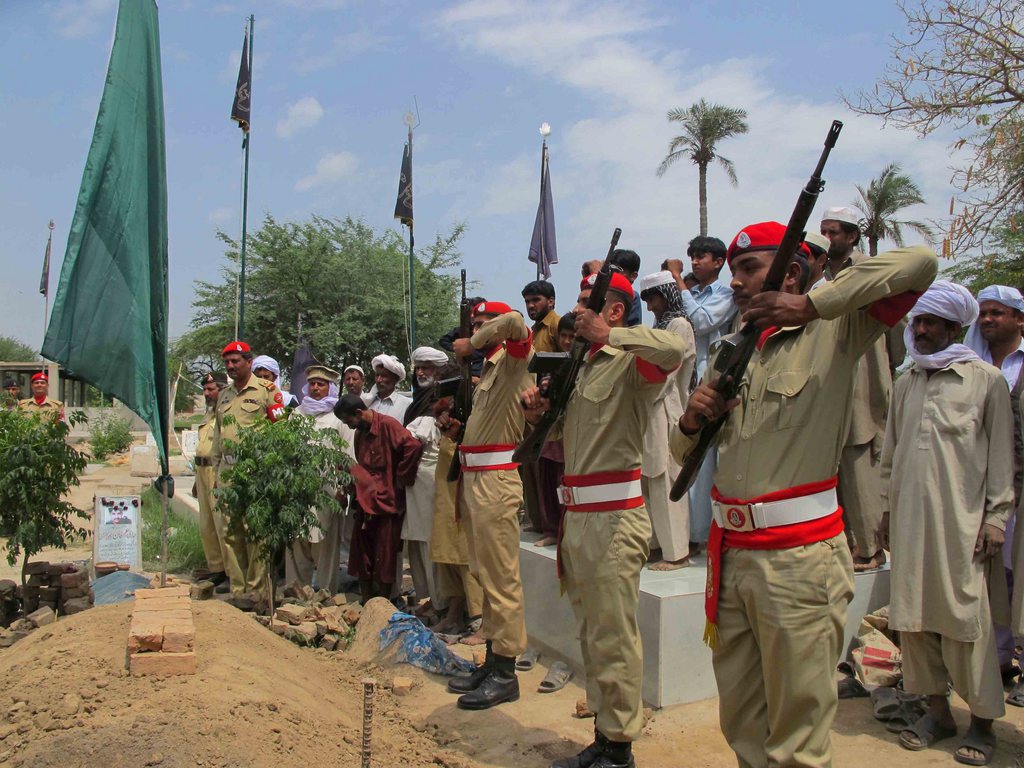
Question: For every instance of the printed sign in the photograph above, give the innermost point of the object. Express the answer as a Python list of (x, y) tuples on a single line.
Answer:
[(117, 530), (189, 443)]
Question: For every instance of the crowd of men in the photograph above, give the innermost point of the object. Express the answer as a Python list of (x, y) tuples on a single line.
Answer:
[(823, 466)]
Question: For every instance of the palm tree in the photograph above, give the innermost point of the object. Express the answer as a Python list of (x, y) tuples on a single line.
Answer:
[(885, 196), (704, 125)]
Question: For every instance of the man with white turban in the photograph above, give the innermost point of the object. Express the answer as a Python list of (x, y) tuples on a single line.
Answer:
[(266, 368), (427, 364), (947, 492), (996, 338), (388, 371)]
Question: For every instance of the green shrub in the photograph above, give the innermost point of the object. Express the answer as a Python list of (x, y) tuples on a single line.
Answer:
[(184, 545), (108, 435)]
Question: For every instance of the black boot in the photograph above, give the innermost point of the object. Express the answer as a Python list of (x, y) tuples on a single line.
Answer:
[(498, 687), (616, 754), (587, 757), (218, 577), (470, 682)]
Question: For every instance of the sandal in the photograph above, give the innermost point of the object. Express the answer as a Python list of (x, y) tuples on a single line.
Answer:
[(1016, 695), (885, 703), (927, 731), (908, 713), (981, 742), (558, 675), (527, 660)]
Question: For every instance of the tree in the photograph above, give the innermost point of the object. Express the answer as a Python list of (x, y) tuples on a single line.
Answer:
[(282, 473), (886, 196), (345, 282), (14, 351), (1003, 266), (959, 66), (37, 468), (704, 126)]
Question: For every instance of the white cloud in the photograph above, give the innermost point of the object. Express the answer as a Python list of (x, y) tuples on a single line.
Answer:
[(302, 114), (84, 18), (222, 214), (331, 168)]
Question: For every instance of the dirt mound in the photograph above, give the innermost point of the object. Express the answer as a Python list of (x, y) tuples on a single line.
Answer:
[(257, 700)]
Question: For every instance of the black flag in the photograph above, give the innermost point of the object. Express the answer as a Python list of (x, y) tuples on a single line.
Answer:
[(403, 206), (243, 89), (302, 360)]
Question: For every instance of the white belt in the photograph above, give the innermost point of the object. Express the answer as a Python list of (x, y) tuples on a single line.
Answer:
[(770, 514), (599, 494), (489, 459)]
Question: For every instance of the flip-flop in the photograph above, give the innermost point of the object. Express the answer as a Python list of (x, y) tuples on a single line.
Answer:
[(558, 675), (1016, 695), (983, 742), (928, 732), (527, 660), (885, 703)]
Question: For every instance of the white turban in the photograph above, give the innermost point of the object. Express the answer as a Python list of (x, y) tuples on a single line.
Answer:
[(268, 363), (843, 213), (389, 363), (1005, 295), (654, 280), (950, 302), (430, 356)]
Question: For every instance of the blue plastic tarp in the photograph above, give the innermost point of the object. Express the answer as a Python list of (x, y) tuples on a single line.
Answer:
[(421, 647), (117, 587)]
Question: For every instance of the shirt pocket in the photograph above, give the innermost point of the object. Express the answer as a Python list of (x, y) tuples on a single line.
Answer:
[(597, 401), (955, 418), (482, 391), (783, 394)]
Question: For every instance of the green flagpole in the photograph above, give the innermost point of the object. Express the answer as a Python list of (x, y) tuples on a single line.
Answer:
[(412, 268), (245, 204)]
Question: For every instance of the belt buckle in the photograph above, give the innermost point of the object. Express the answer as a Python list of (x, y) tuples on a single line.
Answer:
[(737, 517), (566, 495)]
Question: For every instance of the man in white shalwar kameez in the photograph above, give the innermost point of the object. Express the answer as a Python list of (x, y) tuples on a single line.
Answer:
[(947, 491)]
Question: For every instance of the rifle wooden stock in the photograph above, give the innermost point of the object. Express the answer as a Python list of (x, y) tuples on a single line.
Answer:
[(732, 362), (563, 382)]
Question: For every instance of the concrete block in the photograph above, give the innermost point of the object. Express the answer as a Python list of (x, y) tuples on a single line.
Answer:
[(76, 605), (293, 614), (42, 617), (74, 580), (202, 590), (304, 633), (163, 664)]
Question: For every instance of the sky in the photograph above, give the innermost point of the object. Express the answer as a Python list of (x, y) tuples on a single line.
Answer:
[(332, 80)]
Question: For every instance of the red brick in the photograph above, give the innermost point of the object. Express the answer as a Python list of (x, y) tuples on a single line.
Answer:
[(74, 580), (145, 636), (144, 594), (164, 617), (162, 663), (179, 637), (167, 604)]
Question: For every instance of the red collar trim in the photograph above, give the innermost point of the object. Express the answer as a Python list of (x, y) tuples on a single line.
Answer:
[(765, 334), (594, 349)]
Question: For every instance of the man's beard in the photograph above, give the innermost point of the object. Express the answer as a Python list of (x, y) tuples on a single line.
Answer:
[(834, 252), (424, 382)]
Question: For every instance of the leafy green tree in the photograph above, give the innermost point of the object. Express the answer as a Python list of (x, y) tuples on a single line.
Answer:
[(345, 282), (37, 468), (884, 198), (703, 127), (283, 471), (1004, 265), (14, 351)]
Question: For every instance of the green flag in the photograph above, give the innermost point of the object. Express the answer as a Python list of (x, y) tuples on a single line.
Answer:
[(109, 320)]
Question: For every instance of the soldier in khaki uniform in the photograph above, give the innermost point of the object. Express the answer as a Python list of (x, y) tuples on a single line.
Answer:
[(248, 400), (860, 486), (490, 498), (607, 529), (40, 403), (779, 572), (211, 521)]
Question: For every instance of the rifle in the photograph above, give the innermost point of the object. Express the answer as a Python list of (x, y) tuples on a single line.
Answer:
[(560, 386), (463, 402), (736, 350)]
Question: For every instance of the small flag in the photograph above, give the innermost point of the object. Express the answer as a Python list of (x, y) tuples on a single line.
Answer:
[(543, 251), (109, 321), (302, 360), (403, 206), (44, 280), (243, 89)]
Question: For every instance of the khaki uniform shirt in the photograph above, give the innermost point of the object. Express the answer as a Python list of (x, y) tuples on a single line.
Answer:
[(947, 468), (248, 406), (545, 333), (204, 447), (497, 418), (671, 403), (52, 408), (608, 411), (795, 397)]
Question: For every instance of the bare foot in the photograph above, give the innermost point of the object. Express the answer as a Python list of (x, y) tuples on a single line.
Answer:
[(476, 638), (446, 625), (546, 541), (671, 565), (862, 564)]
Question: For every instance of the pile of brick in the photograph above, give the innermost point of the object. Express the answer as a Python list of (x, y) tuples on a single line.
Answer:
[(61, 587), (161, 639), (315, 618), (10, 604)]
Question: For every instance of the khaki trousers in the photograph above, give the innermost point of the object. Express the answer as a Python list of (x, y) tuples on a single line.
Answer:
[(245, 568), (211, 521), (931, 661), (490, 507), (780, 634), (670, 519), (860, 495), (324, 557), (457, 581), (602, 555), (530, 475)]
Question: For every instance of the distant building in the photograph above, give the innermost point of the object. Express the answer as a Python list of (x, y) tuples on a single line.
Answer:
[(68, 389)]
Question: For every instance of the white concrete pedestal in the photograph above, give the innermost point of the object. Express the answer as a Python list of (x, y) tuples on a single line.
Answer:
[(677, 664)]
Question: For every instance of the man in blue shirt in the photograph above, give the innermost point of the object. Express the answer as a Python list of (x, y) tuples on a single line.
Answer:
[(711, 309)]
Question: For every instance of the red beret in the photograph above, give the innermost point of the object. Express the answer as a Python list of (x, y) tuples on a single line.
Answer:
[(619, 282), (235, 346), (491, 308), (40, 377), (766, 236)]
